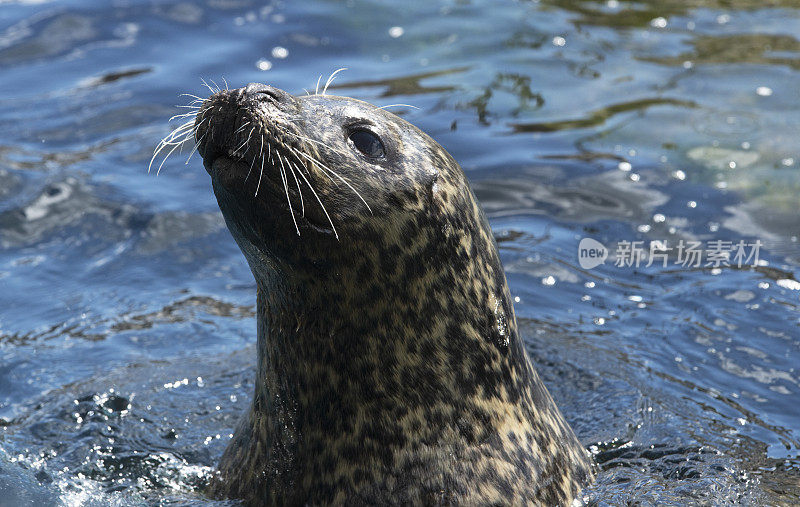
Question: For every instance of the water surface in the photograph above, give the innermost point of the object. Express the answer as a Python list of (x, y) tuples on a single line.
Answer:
[(126, 310)]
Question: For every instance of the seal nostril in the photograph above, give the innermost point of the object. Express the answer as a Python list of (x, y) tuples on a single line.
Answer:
[(267, 95), (263, 93)]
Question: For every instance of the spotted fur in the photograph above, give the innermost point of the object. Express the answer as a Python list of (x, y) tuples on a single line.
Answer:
[(390, 368)]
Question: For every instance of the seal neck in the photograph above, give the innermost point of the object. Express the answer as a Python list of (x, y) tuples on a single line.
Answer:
[(336, 360)]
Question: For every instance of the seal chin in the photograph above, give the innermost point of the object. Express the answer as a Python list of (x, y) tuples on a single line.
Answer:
[(228, 171), (225, 166), (217, 159), (262, 190), (236, 172)]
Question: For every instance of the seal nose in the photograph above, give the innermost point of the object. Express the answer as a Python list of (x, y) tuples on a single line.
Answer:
[(261, 92)]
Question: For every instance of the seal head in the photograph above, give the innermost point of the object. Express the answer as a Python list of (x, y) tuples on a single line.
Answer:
[(390, 369), (318, 166)]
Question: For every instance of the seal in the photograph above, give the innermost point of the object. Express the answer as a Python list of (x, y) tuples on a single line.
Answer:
[(390, 369)]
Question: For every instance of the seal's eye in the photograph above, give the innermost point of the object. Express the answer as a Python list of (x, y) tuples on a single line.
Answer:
[(367, 143)]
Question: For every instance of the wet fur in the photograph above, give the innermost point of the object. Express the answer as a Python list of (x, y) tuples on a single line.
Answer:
[(390, 369)]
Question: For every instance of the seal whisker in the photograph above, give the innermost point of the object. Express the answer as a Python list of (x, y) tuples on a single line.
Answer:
[(208, 86), (245, 142), (316, 90), (305, 165), (171, 140), (331, 78), (297, 182), (261, 174), (179, 139), (343, 180), (226, 83), (178, 142), (165, 158), (205, 118), (197, 143), (324, 171), (310, 187), (298, 136), (200, 99), (183, 115), (286, 189), (183, 126), (325, 168), (395, 105), (260, 155), (241, 128), (216, 86), (269, 153)]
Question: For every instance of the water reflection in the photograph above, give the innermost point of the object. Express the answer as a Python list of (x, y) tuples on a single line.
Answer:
[(754, 48), (405, 85), (641, 13), (600, 116)]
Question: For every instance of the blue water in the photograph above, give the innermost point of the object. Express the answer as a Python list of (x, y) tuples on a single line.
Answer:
[(126, 310)]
